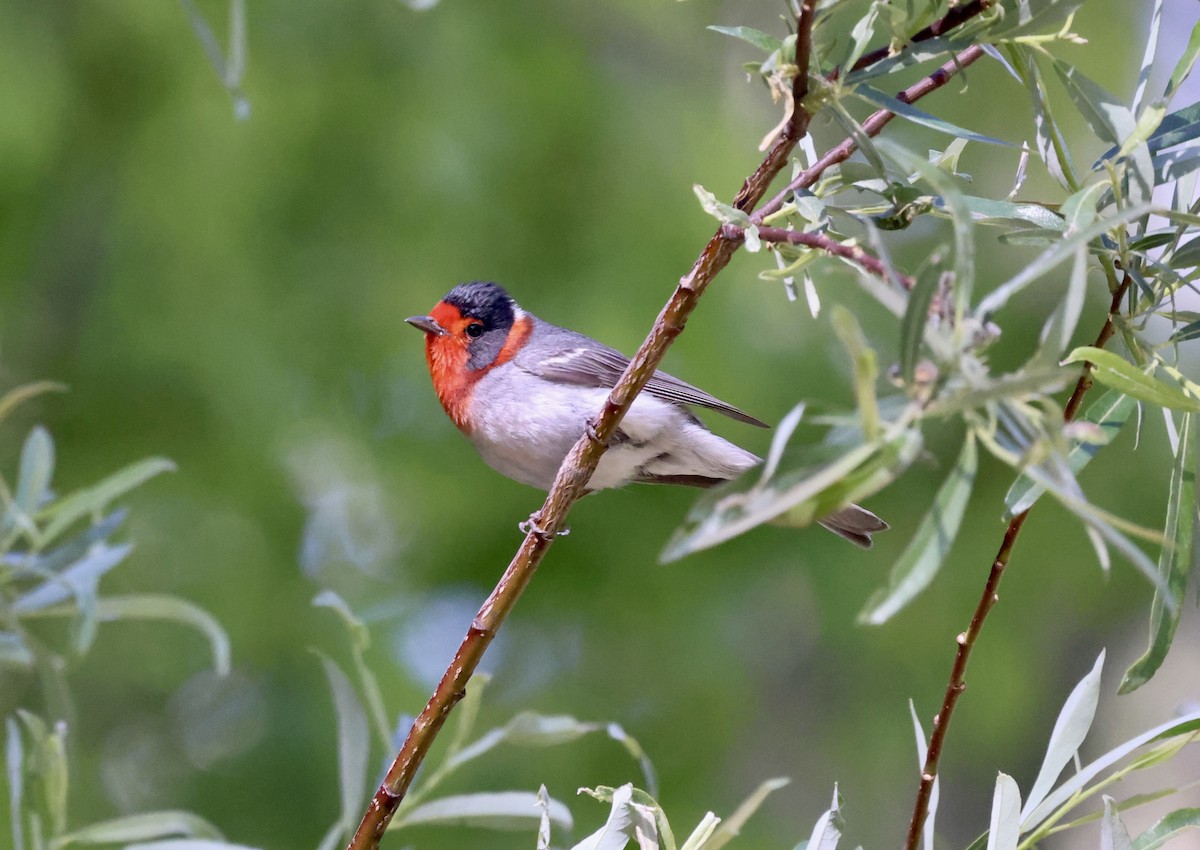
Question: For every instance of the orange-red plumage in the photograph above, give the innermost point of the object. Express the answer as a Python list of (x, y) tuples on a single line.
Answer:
[(447, 358)]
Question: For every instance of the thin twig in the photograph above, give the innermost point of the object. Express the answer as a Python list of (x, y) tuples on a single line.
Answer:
[(966, 640), (872, 126), (821, 242), (580, 463), (954, 17)]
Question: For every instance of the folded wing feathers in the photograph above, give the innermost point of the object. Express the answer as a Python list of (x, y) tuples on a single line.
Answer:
[(602, 367)]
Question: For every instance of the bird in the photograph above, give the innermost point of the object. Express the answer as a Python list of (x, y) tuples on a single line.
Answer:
[(523, 391)]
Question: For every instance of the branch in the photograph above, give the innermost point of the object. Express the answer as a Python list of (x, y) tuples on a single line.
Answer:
[(854, 253), (577, 468), (966, 640)]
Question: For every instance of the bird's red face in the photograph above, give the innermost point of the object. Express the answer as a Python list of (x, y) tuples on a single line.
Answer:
[(474, 329)]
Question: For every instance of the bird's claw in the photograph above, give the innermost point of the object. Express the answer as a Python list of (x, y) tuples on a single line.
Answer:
[(590, 429), (531, 526)]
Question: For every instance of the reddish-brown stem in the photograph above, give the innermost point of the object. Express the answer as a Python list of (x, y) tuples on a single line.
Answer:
[(966, 640), (955, 16), (822, 242)]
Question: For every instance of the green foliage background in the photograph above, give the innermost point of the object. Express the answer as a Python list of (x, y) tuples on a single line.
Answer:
[(230, 295)]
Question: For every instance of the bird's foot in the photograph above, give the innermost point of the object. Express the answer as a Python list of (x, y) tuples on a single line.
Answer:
[(590, 430), (531, 526)]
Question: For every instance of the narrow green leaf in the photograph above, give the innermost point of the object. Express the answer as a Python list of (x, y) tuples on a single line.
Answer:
[(14, 652), (1052, 147), (963, 279), (1024, 18), (750, 35), (910, 54), (916, 318), (1115, 371), (935, 793), (156, 606), (722, 212), (991, 211), (527, 729), (360, 639), (1060, 327), (1154, 240), (925, 553), (1074, 721), (1004, 828), (827, 831), (631, 745), (353, 744), (36, 470), (501, 810), (1109, 413), (783, 433), (142, 827), (866, 367), (704, 829), (1175, 561), (1187, 61), (866, 145), (645, 802), (1178, 127), (1103, 525), (1079, 210), (918, 116), (55, 775), (882, 467), (1167, 828), (1187, 333), (1186, 256), (1147, 65), (810, 487), (626, 818), (1113, 834), (14, 763), (987, 389), (78, 580), (543, 804), (1107, 116), (14, 398), (235, 69), (732, 825), (96, 498), (229, 71), (358, 630), (1173, 165), (1079, 780), (1126, 805), (1147, 123), (1055, 256)]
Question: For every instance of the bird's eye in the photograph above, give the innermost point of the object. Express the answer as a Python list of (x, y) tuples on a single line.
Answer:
[(474, 330)]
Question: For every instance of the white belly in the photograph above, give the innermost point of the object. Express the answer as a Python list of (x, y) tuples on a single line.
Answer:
[(527, 441)]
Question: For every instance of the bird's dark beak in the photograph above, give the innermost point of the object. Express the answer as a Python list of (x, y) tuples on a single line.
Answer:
[(428, 324)]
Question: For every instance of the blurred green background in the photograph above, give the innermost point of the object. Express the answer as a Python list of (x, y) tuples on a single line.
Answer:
[(231, 294)]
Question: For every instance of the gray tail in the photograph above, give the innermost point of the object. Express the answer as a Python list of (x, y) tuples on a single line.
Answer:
[(854, 524)]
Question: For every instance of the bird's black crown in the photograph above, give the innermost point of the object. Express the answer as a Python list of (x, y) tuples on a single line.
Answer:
[(485, 301)]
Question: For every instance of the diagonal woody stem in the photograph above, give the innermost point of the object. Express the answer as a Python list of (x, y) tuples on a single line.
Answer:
[(581, 462), (966, 640)]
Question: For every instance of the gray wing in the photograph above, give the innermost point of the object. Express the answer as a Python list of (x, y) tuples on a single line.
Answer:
[(592, 365)]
